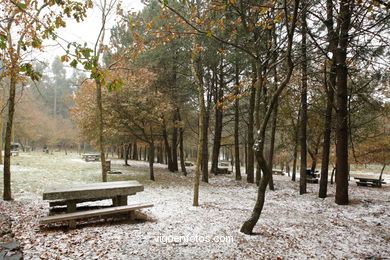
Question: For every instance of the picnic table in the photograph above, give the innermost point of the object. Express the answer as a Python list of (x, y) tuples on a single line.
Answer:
[(223, 168), (312, 176), (71, 196), (91, 157), (364, 181), (277, 172)]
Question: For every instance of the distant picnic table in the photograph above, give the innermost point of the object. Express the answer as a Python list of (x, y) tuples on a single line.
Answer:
[(364, 181), (91, 157), (72, 195)]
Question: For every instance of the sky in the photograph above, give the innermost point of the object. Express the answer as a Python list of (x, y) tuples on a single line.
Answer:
[(84, 32)]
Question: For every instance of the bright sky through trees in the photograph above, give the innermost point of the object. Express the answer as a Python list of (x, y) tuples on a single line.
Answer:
[(86, 31)]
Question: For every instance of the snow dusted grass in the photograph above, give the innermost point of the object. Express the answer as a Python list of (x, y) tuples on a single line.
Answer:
[(291, 226)]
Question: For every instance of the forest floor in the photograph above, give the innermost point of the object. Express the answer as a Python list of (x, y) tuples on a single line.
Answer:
[(292, 226)]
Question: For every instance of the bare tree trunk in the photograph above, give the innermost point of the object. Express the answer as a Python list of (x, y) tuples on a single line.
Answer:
[(197, 72), (127, 152), (100, 129), (217, 133), (205, 152), (303, 135), (175, 166), (167, 149), (7, 193), (272, 144), (296, 144), (250, 154), (181, 146), (344, 19), (135, 151), (1, 124), (380, 176), (330, 83), (236, 127), (151, 161)]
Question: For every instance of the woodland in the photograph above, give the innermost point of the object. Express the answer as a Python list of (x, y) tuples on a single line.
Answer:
[(202, 102)]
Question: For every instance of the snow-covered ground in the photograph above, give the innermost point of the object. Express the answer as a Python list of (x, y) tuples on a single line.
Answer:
[(292, 226)]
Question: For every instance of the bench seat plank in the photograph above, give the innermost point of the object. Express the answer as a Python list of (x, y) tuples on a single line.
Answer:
[(93, 213)]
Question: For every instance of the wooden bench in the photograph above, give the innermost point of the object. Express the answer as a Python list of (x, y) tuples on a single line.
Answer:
[(94, 213), (277, 172), (91, 157), (71, 196), (362, 181), (188, 164), (14, 153)]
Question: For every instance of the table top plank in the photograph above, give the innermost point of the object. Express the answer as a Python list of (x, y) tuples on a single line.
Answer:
[(94, 190)]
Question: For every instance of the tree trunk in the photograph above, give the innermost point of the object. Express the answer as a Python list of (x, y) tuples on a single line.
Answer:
[(296, 144), (127, 152), (181, 146), (330, 83), (331, 177), (151, 161), (217, 137), (7, 193), (135, 151), (272, 144), (380, 176), (1, 124), (100, 129), (205, 152), (303, 125), (236, 127), (168, 150), (250, 153), (340, 54), (175, 166), (197, 72)]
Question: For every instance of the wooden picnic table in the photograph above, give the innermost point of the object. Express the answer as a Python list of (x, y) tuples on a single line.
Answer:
[(91, 157), (72, 195), (364, 181)]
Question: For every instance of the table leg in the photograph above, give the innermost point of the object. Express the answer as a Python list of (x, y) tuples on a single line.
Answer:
[(71, 207), (132, 215), (122, 200)]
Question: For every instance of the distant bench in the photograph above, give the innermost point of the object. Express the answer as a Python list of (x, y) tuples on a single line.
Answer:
[(91, 157), (362, 181), (277, 172)]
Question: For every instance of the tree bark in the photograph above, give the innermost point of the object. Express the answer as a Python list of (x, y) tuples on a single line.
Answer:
[(217, 131), (197, 72), (236, 126), (2, 124), (7, 193), (340, 54), (135, 151), (330, 83), (205, 152), (127, 152), (175, 166), (272, 144), (181, 148), (303, 125), (168, 150), (250, 153), (151, 161)]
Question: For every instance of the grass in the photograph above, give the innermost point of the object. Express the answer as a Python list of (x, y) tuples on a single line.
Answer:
[(31, 173)]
